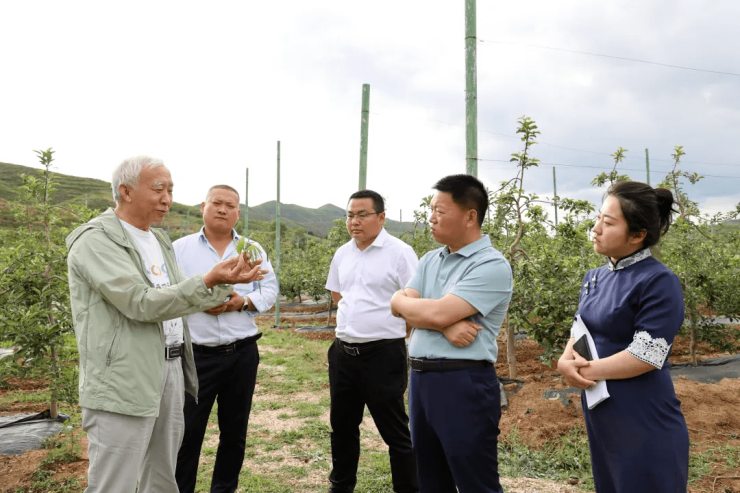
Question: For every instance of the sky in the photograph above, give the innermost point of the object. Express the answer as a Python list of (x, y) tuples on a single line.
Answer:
[(211, 88)]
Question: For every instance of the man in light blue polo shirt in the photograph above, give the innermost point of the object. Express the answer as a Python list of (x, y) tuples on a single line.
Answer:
[(456, 303)]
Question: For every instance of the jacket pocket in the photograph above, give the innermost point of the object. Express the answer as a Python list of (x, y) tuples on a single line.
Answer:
[(110, 348)]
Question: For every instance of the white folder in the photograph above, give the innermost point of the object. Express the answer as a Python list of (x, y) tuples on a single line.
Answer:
[(599, 392)]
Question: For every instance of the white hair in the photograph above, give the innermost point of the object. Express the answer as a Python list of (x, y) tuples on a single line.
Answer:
[(129, 171)]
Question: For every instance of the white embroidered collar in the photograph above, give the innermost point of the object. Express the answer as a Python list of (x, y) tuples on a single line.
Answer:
[(625, 262)]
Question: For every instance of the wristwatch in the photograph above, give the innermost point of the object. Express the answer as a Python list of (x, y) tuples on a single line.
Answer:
[(245, 306)]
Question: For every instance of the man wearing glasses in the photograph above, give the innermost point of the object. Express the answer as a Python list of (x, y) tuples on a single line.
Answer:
[(367, 361)]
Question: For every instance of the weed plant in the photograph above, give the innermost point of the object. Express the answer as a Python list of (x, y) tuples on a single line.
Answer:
[(565, 459)]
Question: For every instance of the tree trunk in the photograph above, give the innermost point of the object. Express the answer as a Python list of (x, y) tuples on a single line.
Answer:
[(55, 362), (692, 340), (54, 356), (328, 318), (510, 355), (692, 324)]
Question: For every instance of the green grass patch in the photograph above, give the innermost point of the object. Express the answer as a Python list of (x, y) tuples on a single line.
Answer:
[(299, 367), (564, 459), (290, 436), (43, 483), (316, 430), (294, 471), (257, 483), (374, 473), (267, 406), (308, 410), (281, 460), (701, 463), (40, 395)]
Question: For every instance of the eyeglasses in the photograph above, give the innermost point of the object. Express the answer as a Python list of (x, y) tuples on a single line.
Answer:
[(361, 216)]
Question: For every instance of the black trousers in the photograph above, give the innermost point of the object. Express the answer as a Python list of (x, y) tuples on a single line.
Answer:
[(376, 377), (230, 379)]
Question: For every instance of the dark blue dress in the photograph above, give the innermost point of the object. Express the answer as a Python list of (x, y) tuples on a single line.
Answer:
[(638, 437)]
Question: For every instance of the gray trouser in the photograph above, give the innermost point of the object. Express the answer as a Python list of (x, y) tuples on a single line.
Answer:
[(124, 450)]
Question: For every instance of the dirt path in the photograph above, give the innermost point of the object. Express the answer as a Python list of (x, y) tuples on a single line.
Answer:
[(711, 412)]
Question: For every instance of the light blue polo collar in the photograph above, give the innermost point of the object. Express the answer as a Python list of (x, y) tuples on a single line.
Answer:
[(470, 248)]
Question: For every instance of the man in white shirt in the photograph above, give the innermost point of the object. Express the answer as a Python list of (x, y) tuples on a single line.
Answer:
[(367, 361), (224, 345)]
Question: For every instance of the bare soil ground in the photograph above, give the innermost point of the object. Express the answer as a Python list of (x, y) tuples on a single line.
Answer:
[(16, 470), (711, 412)]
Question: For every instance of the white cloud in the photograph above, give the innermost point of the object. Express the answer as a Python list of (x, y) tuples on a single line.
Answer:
[(724, 204), (212, 88)]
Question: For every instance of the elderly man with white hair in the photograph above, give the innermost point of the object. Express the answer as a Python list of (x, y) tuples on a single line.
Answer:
[(128, 300)]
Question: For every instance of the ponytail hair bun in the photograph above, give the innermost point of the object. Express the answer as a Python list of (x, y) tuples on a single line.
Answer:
[(644, 208), (665, 208)]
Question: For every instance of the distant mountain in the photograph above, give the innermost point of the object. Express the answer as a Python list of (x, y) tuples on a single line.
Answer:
[(182, 218), (315, 221)]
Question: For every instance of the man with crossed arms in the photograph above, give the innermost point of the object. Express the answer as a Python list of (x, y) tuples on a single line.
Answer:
[(456, 302)]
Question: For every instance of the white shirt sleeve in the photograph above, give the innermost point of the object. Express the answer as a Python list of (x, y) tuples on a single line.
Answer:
[(178, 246), (406, 267), (332, 281)]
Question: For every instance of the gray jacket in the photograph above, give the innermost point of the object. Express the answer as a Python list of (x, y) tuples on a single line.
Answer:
[(118, 317)]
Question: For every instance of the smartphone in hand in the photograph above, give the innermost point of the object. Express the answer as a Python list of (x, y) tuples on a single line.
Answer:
[(581, 347)]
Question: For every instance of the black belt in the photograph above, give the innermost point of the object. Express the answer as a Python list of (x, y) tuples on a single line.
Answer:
[(444, 364), (172, 352), (356, 348), (226, 349)]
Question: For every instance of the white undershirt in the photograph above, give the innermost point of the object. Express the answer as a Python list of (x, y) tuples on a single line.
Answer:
[(156, 271)]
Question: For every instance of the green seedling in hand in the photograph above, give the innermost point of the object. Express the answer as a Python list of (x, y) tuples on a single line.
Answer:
[(244, 245), (240, 246)]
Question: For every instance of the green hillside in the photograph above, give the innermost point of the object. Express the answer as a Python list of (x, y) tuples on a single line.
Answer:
[(295, 220), (70, 189), (181, 220), (315, 221)]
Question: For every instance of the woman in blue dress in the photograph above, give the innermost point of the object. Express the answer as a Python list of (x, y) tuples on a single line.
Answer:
[(633, 308)]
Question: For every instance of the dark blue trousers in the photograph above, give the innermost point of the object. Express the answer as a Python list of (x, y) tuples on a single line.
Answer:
[(454, 430)]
